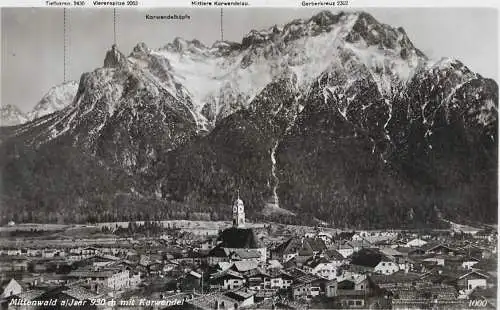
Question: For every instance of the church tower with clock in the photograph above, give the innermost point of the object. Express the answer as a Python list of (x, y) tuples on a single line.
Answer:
[(238, 213), (239, 240)]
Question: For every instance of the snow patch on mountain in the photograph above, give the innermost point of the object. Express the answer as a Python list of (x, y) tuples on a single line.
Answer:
[(448, 76), (208, 76), (227, 76), (10, 115), (57, 98)]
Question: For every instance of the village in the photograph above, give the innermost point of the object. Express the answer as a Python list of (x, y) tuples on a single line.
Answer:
[(249, 266)]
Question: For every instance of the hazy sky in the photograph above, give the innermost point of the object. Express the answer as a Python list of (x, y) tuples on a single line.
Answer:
[(32, 39)]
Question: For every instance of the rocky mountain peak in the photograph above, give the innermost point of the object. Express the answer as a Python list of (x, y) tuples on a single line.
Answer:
[(369, 31), (325, 18), (224, 48), (254, 37), (321, 22), (140, 49), (114, 58), (181, 46)]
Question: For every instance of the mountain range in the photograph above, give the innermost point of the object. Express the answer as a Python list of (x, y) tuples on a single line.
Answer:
[(10, 115), (337, 117), (57, 98)]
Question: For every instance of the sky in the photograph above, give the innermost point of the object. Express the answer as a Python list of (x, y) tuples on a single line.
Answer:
[(32, 38)]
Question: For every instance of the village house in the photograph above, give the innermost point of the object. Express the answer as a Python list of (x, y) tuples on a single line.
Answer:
[(471, 280), (286, 250), (115, 277), (436, 261), (244, 266), (334, 256), (369, 260), (51, 253), (300, 248), (358, 245), (476, 251), (244, 255), (310, 248), (346, 249), (278, 279), (11, 288), (400, 258), (416, 243), (89, 251), (351, 299), (227, 279), (243, 297), (13, 251), (192, 281), (358, 282), (274, 264), (439, 248), (217, 255), (352, 292), (256, 279), (322, 267), (327, 238), (52, 279), (309, 286), (223, 300), (386, 266), (469, 262)]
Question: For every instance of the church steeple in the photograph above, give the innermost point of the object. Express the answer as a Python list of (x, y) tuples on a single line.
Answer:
[(238, 213)]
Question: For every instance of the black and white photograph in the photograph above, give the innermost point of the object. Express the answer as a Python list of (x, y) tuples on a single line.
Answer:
[(243, 157)]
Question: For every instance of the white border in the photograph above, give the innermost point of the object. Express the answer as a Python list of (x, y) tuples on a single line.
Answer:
[(254, 3)]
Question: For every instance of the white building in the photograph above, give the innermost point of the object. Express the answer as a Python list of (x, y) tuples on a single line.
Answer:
[(322, 268), (277, 282), (13, 252), (11, 289), (417, 242), (119, 280), (473, 279), (439, 261), (326, 237), (467, 264), (346, 250), (386, 267), (227, 280)]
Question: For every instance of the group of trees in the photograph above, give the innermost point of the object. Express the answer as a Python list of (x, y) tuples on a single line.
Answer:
[(149, 228)]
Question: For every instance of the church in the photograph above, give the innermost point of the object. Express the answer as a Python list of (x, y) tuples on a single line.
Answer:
[(238, 239)]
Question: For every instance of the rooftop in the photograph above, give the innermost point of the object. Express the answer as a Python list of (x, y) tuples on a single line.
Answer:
[(239, 238), (80, 293)]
